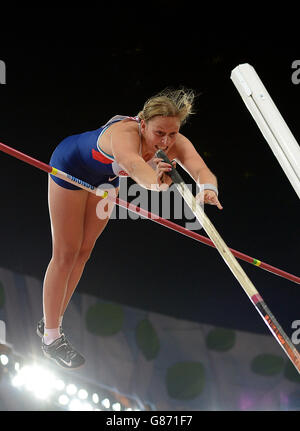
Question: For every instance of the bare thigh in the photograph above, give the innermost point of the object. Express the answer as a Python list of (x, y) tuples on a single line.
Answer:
[(67, 212), (93, 225)]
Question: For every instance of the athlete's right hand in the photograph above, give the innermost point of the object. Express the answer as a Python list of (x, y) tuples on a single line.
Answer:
[(162, 168)]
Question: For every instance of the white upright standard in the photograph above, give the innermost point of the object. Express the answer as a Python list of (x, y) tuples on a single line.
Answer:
[(269, 120)]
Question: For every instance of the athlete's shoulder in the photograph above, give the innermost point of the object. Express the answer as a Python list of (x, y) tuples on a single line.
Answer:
[(121, 118), (125, 126), (182, 141), (183, 147)]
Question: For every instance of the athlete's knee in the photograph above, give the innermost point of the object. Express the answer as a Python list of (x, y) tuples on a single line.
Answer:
[(65, 257), (84, 254)]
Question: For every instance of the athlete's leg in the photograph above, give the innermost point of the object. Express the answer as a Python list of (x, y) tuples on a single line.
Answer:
[(93, 227), (67, 214)]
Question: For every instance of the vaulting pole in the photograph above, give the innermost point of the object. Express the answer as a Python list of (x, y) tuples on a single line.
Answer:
[(234, 266)]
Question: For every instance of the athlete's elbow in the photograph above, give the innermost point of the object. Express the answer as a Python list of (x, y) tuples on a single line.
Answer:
[(124, 163), (133, 166)]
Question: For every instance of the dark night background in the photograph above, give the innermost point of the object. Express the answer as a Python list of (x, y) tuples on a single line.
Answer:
[(70, 70)]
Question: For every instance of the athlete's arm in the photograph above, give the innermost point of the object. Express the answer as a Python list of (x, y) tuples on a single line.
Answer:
[(125, 144), (192, 162)]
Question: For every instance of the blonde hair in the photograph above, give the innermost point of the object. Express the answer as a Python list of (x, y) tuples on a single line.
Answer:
[(169, 103)]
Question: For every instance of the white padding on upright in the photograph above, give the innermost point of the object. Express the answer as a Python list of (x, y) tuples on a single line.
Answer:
[(269, 121)]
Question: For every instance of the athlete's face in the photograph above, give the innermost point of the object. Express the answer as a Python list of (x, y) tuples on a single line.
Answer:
[(160, 132)]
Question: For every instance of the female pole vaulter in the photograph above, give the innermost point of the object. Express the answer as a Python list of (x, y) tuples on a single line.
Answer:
[(123, 146)]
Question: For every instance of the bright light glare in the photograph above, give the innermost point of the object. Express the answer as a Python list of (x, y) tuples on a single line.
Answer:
[(63, 399), (17, 381), (35, 379), (82, 394), (71, 389), (42, 383), (116, 406), (106, 403), (4, 359), (87, 407), (95, 398), (59, 385), (42, 392), (75, 405)]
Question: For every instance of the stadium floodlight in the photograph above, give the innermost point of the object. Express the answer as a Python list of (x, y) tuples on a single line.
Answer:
[(35, 379), (59, 384), (106, 403), (75, 405), (71, 389), (17, 381), (63, 399), (4, 359), (82, 394), (87, 407), (116, 407), (95, 398)]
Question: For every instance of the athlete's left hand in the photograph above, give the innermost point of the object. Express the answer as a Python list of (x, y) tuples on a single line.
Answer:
[(208, 197)]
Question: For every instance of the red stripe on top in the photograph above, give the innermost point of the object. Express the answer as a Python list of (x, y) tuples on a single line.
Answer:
[(101, 158), (256, 298)]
